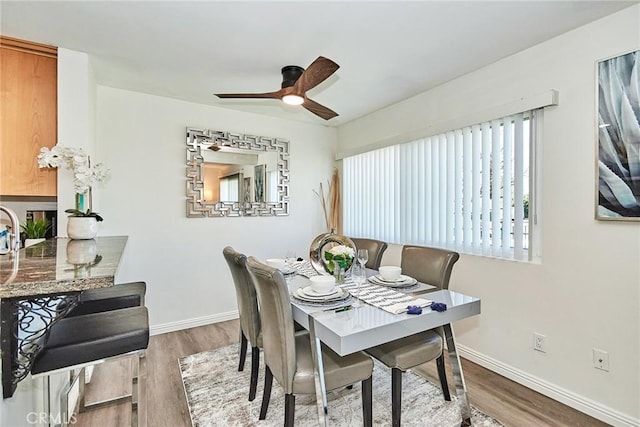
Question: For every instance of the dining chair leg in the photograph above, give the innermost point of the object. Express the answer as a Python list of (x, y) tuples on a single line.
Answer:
[(266, 393), (396, 396), (243, 350), (442, 374), (367, 402), (255, 365), (289, 409)]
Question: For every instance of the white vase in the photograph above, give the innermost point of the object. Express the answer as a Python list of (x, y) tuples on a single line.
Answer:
[(81, 251), (82, 227)]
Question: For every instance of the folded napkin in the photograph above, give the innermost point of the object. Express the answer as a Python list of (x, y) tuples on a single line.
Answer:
[(387, 299)]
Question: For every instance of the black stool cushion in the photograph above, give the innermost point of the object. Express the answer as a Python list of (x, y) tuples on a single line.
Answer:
[(81, 339), (114, 297)]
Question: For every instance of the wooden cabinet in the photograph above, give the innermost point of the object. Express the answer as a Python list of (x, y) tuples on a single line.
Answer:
[(28, 117)]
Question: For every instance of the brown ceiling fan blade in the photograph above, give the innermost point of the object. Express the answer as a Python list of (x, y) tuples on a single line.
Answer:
[(316, 73), (319, 110), (270, 95)]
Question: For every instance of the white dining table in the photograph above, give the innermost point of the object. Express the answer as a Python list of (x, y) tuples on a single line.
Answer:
[(356, 329)]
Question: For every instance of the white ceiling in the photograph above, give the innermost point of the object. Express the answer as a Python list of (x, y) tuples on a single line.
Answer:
[(388, 51)]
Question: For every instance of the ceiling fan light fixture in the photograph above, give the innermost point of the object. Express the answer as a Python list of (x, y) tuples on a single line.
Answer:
[(293, 99)]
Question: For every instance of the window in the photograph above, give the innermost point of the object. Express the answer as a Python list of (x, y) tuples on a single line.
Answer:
[(467, 189)]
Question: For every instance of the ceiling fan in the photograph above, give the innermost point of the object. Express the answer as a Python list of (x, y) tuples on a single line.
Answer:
[(296, 81)]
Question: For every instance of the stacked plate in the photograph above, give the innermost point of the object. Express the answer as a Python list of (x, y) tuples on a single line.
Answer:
[(402, 282), (309, 295)]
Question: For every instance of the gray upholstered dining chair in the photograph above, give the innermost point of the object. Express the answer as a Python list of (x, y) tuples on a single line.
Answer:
[(288, 355), (427, 265), (249, 316), (375, 247)]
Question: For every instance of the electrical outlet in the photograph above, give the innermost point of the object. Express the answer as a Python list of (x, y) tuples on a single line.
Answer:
[(600, 359), (539, 342)]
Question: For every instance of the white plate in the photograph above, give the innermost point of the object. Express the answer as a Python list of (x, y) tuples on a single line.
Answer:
[(400, 279), (309, 291), (403, 282), (340, 294)]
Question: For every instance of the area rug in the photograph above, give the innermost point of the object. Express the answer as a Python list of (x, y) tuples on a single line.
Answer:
[(217, 396)]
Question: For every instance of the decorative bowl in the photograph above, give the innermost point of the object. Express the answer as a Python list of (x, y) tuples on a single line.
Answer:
[(322, 284), (278, 263), (390, 273)]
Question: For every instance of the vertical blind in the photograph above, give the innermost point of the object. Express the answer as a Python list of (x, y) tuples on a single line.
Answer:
[(466, 190)]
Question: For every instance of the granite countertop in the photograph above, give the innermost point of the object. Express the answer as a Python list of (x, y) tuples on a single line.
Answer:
[(61, 265)]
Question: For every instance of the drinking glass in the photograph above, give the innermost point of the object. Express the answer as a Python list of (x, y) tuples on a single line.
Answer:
[(358, 276), (363, 256)]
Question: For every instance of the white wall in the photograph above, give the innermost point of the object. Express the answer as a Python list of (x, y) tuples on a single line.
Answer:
[(141, 138), (76, 121), (585, 293)]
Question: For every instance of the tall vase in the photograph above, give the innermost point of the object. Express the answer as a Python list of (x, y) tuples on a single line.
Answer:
[(322, 244), (84, 201)]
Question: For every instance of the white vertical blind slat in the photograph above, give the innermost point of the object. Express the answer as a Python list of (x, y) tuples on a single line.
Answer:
[(422, 188), (459, 220), (486, 185), (442, 202), (435, 190), (476, 179), (518, 187), (451, 186), (396, 237), (466, 186), (507, 168), (496, 216)]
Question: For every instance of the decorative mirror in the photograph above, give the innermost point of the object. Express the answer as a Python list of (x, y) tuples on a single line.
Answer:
[(230, 174)]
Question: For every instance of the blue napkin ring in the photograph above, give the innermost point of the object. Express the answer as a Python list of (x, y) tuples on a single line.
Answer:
[(438, 306), (414, 309)]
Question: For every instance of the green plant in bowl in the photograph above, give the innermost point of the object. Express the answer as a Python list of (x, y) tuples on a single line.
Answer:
[(35, 228), (87, 213)]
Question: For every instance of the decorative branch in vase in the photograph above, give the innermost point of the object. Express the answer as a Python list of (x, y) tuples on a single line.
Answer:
[(332, 253), (331, 204), (82, 220)]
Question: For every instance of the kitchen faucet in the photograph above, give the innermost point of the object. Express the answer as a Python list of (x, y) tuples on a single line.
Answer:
[(14, 236)]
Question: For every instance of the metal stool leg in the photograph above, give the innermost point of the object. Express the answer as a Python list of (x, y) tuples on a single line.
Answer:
[(141, 387), (47, 398), (82, 381)]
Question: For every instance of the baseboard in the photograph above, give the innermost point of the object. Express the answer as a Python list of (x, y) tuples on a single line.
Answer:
[(193, 323), (580, 403)]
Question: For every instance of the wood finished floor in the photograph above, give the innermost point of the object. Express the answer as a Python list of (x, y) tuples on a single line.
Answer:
[(507, 401)]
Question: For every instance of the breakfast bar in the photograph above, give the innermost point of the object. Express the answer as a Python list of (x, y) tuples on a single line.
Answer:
[(34, 281)]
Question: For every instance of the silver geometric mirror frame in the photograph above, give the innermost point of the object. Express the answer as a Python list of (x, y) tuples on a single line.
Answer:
[(203, 139)]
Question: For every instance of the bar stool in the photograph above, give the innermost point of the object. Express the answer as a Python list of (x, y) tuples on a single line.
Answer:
[(78, 341), (114, 297), (118, 296)]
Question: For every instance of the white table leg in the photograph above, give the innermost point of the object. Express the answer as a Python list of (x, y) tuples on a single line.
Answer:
[(458, 377), (318, 370)]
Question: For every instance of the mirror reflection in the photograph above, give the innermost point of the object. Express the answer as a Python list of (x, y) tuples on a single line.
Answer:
[(233, 175)]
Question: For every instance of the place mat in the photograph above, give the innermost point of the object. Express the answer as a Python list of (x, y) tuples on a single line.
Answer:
[(326, 305), (385, 298), (304, 268)]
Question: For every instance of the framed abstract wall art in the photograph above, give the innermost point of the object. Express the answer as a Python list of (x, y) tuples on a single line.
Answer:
[(618, 155)]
